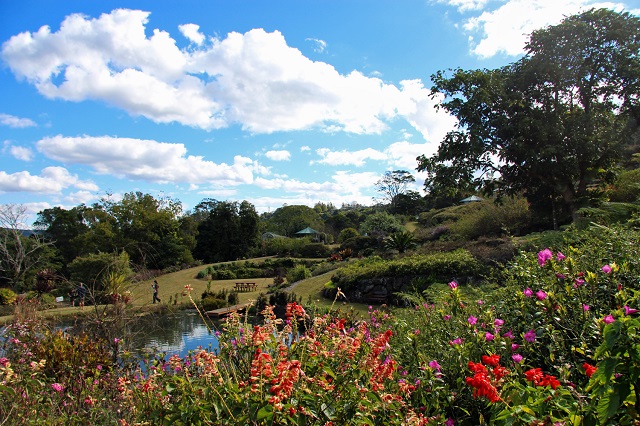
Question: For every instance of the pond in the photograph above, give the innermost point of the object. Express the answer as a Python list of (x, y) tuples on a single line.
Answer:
[(174, 333)]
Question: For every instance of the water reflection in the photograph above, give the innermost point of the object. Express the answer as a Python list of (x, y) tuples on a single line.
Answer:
[(174, 333)]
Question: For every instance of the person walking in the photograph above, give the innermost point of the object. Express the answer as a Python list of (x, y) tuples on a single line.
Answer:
[(155, 288), (81, 292)]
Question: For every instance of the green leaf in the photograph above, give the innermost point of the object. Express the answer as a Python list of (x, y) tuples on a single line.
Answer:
[(608, 406), (265, 412)]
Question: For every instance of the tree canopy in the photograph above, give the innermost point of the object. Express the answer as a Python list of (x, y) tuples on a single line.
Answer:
[(551, 125)]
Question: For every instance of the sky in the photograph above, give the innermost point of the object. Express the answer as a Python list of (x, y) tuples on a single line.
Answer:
[(277, 102)]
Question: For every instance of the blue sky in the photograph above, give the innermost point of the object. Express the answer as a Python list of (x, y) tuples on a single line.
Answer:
[(275, 102)]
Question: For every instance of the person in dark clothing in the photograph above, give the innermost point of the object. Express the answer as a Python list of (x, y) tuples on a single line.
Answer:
[(155, 288), (81, 293)]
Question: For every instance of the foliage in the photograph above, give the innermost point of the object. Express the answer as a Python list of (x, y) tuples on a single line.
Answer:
[(297, 273), (400, 241), (95, 269), (393, 184), (7, 296), (443, 266), (229, 230), (567, 104), (380, 223), (288, 220), (21, 255), (488, 218), (627, 187), (347, 234)]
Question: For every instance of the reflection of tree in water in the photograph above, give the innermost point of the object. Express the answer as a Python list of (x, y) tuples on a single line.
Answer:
[(175, 332)]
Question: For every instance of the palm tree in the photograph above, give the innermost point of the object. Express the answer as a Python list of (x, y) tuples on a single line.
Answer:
[(401, 241)]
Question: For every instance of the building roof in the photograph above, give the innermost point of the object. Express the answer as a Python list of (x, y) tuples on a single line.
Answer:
[(307, 231), (471, 199)]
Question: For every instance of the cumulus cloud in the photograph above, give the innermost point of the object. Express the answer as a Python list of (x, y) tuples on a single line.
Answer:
[(345, 158), (281, 155), (192, 32), (21, 153), (507, 28), (253, 79), (147, 160), (52, 180), (16, 122), (465, 5)]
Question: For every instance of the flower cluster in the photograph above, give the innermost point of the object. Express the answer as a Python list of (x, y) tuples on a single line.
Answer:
[(486, 381), (538, 378)]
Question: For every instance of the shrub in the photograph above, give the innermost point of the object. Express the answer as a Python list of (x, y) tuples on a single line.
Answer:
[(297, 273), (315, 250), (210, 303), (223, 274), (347, 234), (7, 296)]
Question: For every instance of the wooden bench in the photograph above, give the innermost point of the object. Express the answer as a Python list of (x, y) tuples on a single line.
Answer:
[(376, 298), (242, 286)]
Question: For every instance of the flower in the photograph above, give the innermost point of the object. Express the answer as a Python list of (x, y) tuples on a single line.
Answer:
[(530, 336), (434, 365), (528, 292), (589, 369), (498, 323), (606, 269), (517, 358), (629, 311), (491, 360), (538, 378), (57, 387), (608, 319), (480, 302), (508, 335), (560, 256), (544, 256), (472, 320), (453, 285), (585, 307), (541, 295), (446, 317), (488, 336), (457, 341), (449, 422), (578, 282), (514, 347), (188, 288)]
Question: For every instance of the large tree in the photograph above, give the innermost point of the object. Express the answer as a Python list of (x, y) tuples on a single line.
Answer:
[(551, 125), (394, 184)]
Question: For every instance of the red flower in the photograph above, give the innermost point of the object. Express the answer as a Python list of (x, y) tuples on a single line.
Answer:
[(538, 378), (589, 369), (492, 360)]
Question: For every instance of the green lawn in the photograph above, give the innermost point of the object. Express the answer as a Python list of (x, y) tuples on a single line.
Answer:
[(171, 287)]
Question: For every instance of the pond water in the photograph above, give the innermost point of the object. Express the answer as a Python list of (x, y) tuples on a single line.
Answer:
[(174, 333)]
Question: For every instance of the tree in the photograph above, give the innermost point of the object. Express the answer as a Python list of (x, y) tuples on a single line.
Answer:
[(288, 220), (380, 224), (550, 125), (22, 252), (393, 184), (64, 229), (401, 241)]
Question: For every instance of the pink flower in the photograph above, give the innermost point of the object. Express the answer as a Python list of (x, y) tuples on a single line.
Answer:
[(530, 336), (449, 422), (541, 295), (608, 319), (544, 256), (472, 320), (560, 256), (585, 307), (434, 365), (578, 282), (480, 302), (457, 341), (446, 317), (517, 358), (629, 311), (488, 336), (514, 347), (528, 292), (606, 269), (498, 323), (453, 285), (57, 387), (508, 335)]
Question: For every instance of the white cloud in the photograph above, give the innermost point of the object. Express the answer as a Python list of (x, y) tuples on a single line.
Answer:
[(21, 153), (465, 5), (305, 148), (507, 28), (254, 79), (191, 32), (52, 180), (281, 155), (344, 158), (16, 122), (319, 46), (81, 197), (147, 160)]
